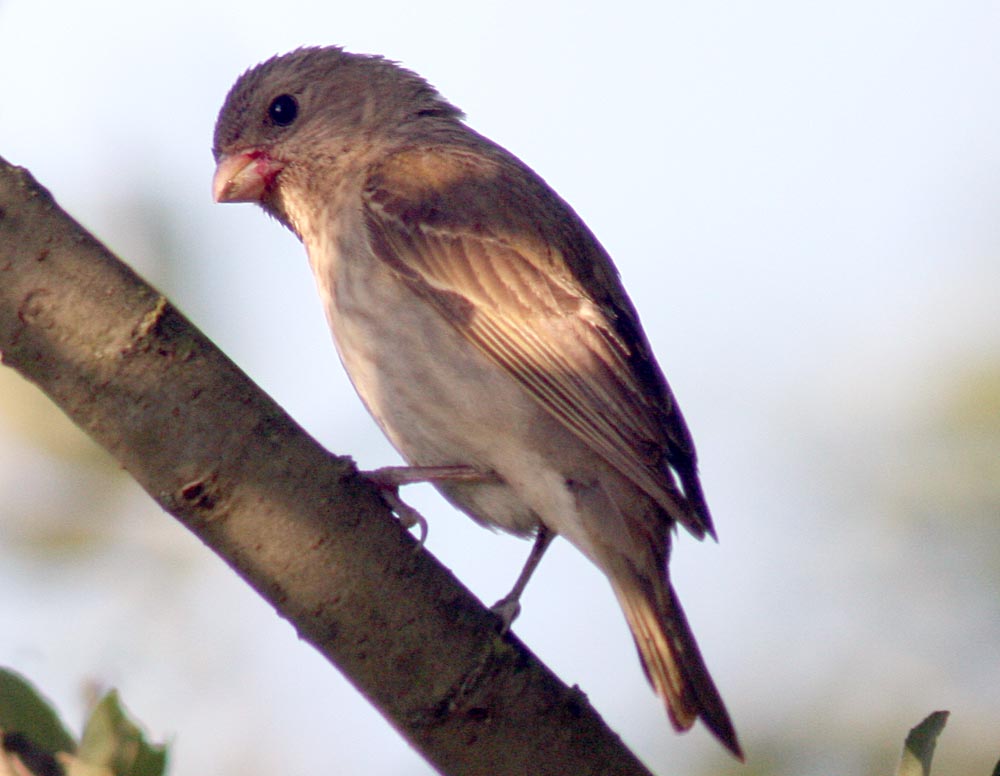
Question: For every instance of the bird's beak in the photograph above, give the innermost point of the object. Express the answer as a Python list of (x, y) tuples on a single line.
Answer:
[(244, 177)]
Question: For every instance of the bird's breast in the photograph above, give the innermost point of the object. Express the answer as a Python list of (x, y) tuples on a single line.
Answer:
[(441, 402), (437, 398)]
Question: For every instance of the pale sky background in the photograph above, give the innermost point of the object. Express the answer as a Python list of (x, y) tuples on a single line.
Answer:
[(804, 202)]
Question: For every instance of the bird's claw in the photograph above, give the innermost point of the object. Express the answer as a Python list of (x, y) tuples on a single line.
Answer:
[(507, 609), (408, 516), (388, 480)]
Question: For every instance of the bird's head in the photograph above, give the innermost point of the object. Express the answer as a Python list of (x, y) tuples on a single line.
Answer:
[(298, 120)]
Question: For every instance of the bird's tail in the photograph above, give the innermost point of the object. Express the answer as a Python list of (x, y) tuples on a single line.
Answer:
[(671, 658)]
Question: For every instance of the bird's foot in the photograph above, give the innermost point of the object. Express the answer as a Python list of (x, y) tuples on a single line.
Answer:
[(389, 479), (507, 609), (408, 516)]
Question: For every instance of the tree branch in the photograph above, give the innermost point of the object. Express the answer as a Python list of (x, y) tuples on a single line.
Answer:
[(298, 524)]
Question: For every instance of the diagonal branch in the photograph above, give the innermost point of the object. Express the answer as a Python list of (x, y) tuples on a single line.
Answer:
[(298, 524)]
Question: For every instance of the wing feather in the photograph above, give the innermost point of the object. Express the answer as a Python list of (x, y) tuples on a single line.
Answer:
[(526, 297)]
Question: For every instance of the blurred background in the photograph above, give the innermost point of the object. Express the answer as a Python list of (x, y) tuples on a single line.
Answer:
[(804, 202)]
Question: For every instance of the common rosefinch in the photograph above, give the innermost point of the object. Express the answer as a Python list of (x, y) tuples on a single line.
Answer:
[(484, 327)]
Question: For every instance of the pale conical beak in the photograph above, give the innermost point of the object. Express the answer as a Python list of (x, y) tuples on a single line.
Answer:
[(244, 177)]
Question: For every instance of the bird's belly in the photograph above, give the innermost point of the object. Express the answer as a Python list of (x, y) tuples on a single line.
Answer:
[(440, 401)]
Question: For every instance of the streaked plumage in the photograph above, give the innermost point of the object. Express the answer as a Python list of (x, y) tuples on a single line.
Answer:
[(483, 325)]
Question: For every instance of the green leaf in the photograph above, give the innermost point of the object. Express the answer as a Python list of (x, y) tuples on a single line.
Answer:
[(24, 710), (74, 766), (918, 749), (112, 740)]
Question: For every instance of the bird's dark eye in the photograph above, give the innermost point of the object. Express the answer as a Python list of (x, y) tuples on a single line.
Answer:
[(283, 110)]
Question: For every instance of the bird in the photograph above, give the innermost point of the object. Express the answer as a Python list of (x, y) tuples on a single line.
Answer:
[(484, 328)]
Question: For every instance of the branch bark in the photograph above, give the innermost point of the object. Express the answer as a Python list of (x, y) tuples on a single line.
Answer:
[(298, 524)]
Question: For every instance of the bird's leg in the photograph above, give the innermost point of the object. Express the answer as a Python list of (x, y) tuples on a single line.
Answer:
[(508, 607), (394, 476), (388, 480)]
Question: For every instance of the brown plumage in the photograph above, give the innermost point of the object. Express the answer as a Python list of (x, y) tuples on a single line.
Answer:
[(483, 325)]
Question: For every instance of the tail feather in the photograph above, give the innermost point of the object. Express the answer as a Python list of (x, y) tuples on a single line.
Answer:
[(672, 660)]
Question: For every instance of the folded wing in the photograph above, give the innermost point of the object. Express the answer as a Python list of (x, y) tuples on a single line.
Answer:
[(517, 273)]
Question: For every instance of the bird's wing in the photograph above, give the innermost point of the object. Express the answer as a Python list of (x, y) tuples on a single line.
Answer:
[(518, 274)]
